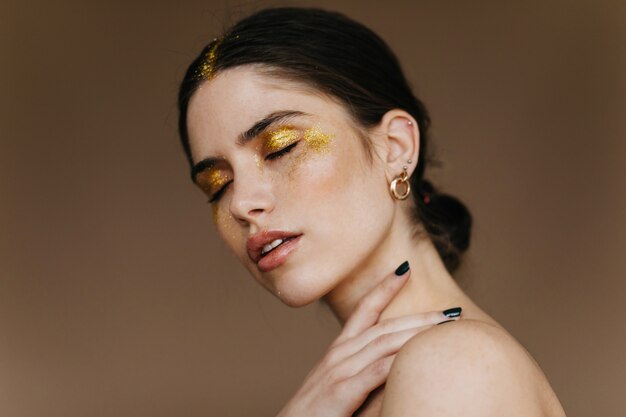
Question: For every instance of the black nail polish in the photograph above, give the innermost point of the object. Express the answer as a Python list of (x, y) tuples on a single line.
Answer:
[(447, 321), (453, 312), (401, 270)]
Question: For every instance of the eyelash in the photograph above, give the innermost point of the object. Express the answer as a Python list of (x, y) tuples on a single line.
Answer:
[(218, 194), (269, 157), (280, 153)]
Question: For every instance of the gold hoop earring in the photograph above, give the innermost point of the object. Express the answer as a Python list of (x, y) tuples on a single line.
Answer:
[(399, 181)]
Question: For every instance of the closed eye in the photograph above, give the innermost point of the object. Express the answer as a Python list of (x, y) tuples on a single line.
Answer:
[(269, 157), (282, 152), (218, 194)]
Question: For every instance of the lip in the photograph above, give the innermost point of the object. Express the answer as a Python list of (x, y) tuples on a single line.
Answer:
[(256, 242), (278, 256)]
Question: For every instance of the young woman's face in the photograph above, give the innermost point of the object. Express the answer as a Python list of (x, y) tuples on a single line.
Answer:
[(281, 162)]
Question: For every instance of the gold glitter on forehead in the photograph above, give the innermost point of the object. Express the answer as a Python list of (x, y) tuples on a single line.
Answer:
[(206, 69), (279, 138)]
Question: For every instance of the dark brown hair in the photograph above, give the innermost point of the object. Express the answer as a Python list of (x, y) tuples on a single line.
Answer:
[(346, 60)]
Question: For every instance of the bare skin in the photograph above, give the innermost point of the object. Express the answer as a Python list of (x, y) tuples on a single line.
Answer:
[(353, 234)]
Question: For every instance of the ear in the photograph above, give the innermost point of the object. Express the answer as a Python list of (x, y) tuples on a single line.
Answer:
[(400, 140)]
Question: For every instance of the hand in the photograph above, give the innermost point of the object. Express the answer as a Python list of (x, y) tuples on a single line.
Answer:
[(359, 359)]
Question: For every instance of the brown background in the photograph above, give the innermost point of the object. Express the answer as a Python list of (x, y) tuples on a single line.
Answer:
[(116, 299)]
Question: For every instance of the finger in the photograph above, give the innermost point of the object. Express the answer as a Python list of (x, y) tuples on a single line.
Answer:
[(405, 322), (369, 308), (383, 346), (358, 387), (349, 347)]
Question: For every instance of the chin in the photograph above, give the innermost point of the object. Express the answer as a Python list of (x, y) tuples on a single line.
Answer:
[(295, 301), (298, 289)]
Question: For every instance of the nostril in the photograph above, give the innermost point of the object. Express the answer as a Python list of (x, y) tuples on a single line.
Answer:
[(255, 212)]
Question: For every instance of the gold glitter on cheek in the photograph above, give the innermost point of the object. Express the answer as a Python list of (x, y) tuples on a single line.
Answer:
[(257, 161), (222, 220), (280, 138), (216, 213), (226, 226)]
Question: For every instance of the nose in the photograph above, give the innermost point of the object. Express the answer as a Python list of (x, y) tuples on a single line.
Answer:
[(252, 198)]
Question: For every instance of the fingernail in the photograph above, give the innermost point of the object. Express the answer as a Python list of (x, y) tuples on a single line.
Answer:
[(447, 321), (401, 270), (453, 312)]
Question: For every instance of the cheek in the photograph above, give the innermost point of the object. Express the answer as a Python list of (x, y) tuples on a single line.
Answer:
[(226, 227), (340, 203), (317, 146), (334, 181)]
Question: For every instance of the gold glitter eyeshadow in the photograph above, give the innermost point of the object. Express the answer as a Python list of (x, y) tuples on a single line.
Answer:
[(286, 135), (206, 69), (217, 179), (317, 140), (212, 181), (280, 138)]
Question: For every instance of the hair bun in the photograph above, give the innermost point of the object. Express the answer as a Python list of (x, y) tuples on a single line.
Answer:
[(447, 221)]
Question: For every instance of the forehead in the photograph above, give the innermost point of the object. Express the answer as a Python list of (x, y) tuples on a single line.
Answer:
[(236, 98)]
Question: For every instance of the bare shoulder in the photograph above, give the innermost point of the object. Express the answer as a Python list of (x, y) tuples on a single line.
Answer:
[(468, 368)]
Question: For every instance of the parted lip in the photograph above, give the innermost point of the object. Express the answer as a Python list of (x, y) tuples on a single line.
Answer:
[(256, 241)]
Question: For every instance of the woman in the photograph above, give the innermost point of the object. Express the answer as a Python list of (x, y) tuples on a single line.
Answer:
[(301, 129)]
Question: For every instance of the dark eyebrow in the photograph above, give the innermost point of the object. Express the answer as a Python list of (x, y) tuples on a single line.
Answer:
[(245, 137), (264, 123)]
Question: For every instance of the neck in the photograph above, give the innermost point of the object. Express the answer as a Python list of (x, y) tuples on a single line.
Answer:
[(429, 288)]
